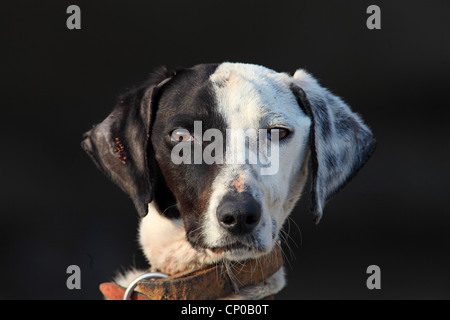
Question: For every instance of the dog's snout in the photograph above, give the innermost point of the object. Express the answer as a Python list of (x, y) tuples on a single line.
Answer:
[(239, 213)]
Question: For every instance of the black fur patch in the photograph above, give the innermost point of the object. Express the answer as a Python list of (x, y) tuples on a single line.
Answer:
[(188, 97)]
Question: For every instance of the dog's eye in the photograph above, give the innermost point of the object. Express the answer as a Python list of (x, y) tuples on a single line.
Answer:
[(179, 135), (282, 133)]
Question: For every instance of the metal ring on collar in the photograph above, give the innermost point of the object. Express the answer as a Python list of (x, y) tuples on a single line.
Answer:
[(149, 275)]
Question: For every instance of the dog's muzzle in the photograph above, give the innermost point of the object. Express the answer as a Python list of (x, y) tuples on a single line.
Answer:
[(238, 213)]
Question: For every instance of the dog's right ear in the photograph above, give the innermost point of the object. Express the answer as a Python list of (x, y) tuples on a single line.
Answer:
[(340, 142), (118, 145)]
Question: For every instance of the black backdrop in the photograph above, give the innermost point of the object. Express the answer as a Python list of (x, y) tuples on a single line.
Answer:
[(57, 209)]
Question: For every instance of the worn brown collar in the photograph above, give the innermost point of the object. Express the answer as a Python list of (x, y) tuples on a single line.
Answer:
[(211, 283)]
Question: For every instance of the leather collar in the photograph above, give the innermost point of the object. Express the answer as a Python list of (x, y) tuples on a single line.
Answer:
[(211, 283)]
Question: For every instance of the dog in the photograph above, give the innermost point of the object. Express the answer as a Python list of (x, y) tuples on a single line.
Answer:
[(199, 214)]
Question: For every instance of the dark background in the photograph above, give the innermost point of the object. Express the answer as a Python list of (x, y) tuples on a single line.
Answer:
[(57, 209)]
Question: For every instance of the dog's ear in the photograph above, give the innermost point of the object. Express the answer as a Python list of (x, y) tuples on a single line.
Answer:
[(118, 145), (339, 140)]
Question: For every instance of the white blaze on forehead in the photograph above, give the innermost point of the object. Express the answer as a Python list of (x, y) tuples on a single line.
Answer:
[(245, 92), (252, 97)]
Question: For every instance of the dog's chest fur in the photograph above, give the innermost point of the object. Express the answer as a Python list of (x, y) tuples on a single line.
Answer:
[(164, 244)]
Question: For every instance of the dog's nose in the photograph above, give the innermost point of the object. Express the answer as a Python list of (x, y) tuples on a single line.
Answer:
[(238, 213)]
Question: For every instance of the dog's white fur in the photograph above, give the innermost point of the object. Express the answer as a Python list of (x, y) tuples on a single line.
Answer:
[(255, 97), (248, 96), (164, 244)]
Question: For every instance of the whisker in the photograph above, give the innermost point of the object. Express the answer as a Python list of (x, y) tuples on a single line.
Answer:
[(174, 205), (298, 228)]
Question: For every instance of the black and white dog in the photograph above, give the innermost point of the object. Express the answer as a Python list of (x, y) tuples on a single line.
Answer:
[(198, 214)]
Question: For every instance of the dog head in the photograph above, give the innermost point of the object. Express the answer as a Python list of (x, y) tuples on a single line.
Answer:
[(173, 143)]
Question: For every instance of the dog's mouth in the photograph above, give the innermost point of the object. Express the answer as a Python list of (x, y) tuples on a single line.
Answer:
[(232, 247), (239, 248)]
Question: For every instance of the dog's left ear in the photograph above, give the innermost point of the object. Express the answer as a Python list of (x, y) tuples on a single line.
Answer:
[(339, 140), (118, 145)]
